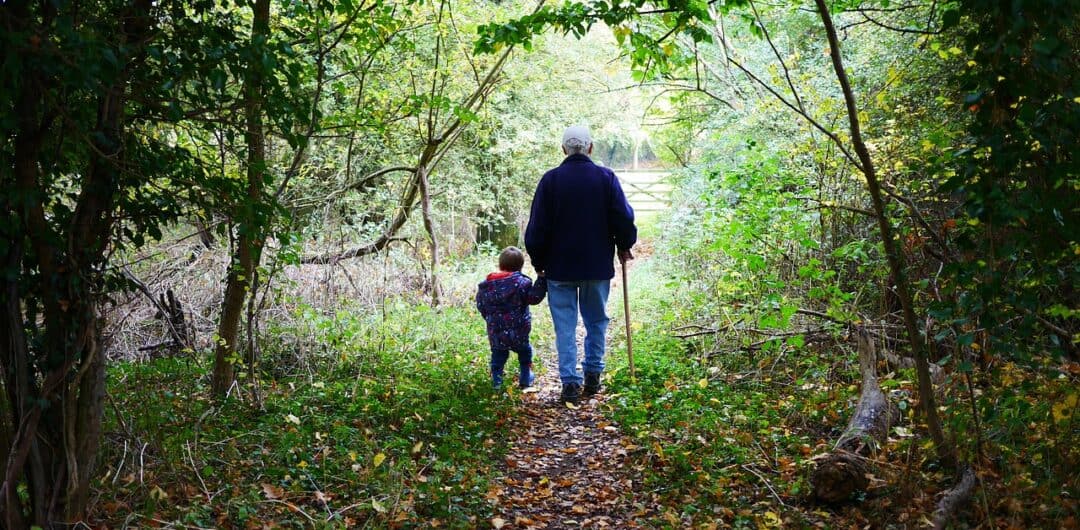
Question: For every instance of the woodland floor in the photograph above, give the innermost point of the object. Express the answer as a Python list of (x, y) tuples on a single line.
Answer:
[(567, 467), (390, 422)]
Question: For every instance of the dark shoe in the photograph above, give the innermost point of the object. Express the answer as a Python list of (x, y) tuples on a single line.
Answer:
[(592, 384), (571, 394)]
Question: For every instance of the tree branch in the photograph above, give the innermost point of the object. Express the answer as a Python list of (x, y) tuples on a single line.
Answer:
[(832, 136)]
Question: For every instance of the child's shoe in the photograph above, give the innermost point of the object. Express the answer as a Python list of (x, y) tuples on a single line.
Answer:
[(496, 380), (527, 377)]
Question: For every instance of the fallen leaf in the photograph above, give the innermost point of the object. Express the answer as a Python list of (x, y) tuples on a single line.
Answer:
[(498, 522), (158, 494), (378, 460), (771, 520), (272, 492)]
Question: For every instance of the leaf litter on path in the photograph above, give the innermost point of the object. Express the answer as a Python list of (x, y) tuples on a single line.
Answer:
[(567, 467)]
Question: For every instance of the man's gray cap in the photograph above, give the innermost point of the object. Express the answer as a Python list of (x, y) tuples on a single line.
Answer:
[(576, 136)]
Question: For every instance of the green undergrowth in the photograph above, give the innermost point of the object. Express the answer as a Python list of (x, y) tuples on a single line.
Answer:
[(386, 422), (707, 422), (727, 435)]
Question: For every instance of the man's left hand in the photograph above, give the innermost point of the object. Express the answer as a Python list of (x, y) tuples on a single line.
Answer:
[(625, 256)]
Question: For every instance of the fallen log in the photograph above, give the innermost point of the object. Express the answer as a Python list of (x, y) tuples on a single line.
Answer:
[(846, 469), (954, 498)]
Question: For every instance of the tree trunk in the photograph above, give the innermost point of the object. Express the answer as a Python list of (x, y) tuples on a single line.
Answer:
[(892, 254), (429, 226), (250, 228), (843, 471), (50, 331)]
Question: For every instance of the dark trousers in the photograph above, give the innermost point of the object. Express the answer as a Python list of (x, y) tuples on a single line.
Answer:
[(499, 357)]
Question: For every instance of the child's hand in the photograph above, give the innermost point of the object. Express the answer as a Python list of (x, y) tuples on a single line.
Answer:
[(539, 274)]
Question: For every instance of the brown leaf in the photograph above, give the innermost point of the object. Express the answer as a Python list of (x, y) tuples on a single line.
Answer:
[(272, 492)]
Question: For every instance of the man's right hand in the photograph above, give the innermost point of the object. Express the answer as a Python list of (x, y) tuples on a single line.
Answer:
[(625, 256)]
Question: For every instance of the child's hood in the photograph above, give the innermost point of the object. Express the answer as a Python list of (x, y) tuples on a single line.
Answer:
[(501, 276)]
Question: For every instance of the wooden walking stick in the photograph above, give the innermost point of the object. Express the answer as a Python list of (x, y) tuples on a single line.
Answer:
[(626, 311)]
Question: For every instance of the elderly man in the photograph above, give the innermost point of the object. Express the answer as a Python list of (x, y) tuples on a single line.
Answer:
[(579, 218)]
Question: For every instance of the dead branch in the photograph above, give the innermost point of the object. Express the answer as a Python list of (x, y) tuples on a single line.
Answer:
[(937, 374), (170, 310), (376, 246), (955, 498), (833, 205)]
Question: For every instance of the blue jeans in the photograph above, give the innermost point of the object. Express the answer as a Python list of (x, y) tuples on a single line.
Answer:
[(565, 299)]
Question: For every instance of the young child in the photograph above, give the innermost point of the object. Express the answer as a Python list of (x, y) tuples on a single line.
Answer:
[(503, 300)]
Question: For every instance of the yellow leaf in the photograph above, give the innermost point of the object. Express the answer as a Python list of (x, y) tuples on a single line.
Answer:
[(771, 520), (416, 448), (291, 418), (672, 518), (1063, 411), (378, 506), (704, 383), (378, 460), (158, 494)]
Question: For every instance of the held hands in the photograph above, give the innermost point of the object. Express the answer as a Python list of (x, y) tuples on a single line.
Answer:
[(625, 256)]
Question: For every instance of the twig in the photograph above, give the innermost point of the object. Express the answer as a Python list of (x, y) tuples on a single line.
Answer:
[(767, 484), (142, 461), (119, 416), (191, 458), (830, 204), (292, 507), (120, 467)]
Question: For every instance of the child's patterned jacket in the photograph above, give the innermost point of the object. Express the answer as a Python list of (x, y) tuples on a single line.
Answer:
[(504, 299)]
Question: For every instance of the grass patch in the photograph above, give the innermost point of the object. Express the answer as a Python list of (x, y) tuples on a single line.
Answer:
[(388, 422)]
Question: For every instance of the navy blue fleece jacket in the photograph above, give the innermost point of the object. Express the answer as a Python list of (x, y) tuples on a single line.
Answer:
[(579, 217)]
